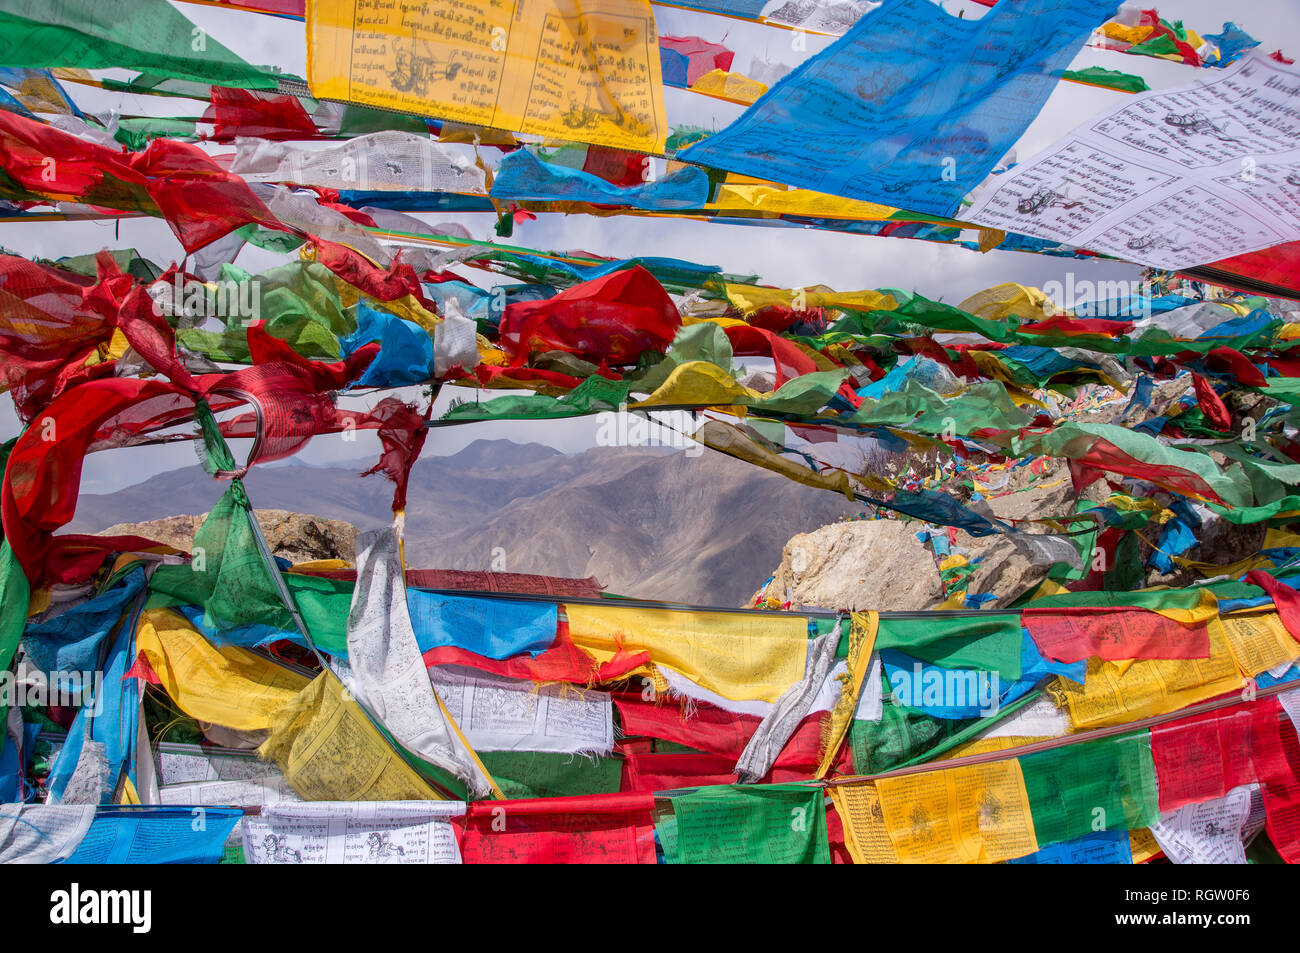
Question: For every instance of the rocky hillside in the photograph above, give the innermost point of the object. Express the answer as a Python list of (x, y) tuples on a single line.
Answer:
[(882, 564)]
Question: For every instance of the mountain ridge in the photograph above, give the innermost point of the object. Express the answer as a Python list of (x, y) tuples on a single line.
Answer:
[(645, 521)]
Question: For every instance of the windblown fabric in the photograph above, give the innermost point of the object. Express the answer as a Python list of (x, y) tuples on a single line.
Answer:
[(150, 35), (385, 669), (849, 121)]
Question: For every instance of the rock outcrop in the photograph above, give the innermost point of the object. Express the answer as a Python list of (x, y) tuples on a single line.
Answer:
[(294, 536), (882, 564)]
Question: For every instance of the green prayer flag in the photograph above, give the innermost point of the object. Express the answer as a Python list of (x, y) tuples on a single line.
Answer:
[(137, 132), (902, 736), (1105, 785), (1110, 78), (1248, 515), (533, 774), (226, 575), (1153, 599), (752, 824), (985, 641), (15, 593), (594, 394), (141, 35)]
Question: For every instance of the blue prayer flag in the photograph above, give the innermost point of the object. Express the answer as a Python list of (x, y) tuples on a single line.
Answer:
[(912, 107)]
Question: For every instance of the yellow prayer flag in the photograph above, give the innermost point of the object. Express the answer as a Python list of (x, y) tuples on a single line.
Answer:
[(1258, 642), (749, 298), (740, 656), (974, 814), (328, 750), (1275, 538), (1008, 300), (733, 86), (550, 67), (702, 383), (1127, 34), (227, 686), (725, 438), (1235, 570), (865, 835), (779, 201), (1142, 844), (863, 628), (38, 601), (320, 565)]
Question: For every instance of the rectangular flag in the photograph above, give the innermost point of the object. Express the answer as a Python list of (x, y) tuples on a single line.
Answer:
[(547, 67)]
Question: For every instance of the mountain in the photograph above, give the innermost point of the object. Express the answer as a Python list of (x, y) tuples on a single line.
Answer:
[(646, 522)]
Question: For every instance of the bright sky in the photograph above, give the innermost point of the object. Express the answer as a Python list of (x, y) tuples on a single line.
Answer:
[(785, 257)]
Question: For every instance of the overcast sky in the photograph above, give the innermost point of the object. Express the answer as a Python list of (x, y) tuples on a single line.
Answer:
[(784, 257)]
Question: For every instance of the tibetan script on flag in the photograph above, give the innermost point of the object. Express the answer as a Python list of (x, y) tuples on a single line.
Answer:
[(544, 67)]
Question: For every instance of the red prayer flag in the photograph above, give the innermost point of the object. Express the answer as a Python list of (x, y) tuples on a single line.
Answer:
[(612, 319), (593, 829), (835, 834), (46, 332), (200, 200), (1104, 455), (669, 770), (1282, 800), (1276, 267), (716, 731), (73, 559), (1212, 406), (617, 166), (43, 475), (1205, 756), (251, 112), (1114, 635)]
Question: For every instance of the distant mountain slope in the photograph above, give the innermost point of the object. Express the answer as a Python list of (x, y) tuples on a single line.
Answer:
[(645, 522)]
